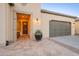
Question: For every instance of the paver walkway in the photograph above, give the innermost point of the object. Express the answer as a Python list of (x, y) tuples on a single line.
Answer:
[(45, 47)]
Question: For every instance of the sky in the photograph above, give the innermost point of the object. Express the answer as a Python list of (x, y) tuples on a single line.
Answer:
[(66, 8)]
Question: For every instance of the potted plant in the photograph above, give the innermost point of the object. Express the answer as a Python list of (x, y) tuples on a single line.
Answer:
[(38, 35)]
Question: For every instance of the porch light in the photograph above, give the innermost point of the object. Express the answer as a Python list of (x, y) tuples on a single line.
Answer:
[(37, 22)]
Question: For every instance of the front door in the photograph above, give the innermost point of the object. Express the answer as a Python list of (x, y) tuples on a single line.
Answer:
[(25, 27)]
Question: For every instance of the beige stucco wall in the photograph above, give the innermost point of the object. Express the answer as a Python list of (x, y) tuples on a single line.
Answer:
[(34, 10), (8, 20), (2, 24), (9, 23), (6, 28), (47, 17), (77, 27)]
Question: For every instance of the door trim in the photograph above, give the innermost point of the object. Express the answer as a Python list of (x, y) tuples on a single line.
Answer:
[(29, 25)]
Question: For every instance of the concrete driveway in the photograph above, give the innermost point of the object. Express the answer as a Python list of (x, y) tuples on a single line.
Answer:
[(45, 47), (71, 41)]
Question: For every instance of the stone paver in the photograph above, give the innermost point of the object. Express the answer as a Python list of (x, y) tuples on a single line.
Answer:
[(45, 47)]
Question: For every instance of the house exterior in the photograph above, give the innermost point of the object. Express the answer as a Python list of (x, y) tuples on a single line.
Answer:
[(29, 17), (77, 27)]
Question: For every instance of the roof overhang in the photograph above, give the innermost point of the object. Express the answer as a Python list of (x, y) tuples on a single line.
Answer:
[(77, 19), (55, 13)]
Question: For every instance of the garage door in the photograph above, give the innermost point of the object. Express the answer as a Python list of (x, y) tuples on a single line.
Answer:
[(59, 28)]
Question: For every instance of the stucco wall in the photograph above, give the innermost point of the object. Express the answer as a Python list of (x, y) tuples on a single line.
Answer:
[(2, 24), (77, 27), (8, 20), (47, 17), (9, 23), (6, 23), (34, 10)]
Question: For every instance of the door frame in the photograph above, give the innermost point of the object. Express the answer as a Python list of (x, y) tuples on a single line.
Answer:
[(15, 22), (29, 25)]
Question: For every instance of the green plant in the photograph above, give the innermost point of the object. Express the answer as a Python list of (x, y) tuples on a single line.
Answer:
[(38, 32)]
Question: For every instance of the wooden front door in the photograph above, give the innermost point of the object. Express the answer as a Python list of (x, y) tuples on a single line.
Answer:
[(25, 27)]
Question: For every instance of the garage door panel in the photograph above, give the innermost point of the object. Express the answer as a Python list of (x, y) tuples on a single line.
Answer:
[(59, 28)]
